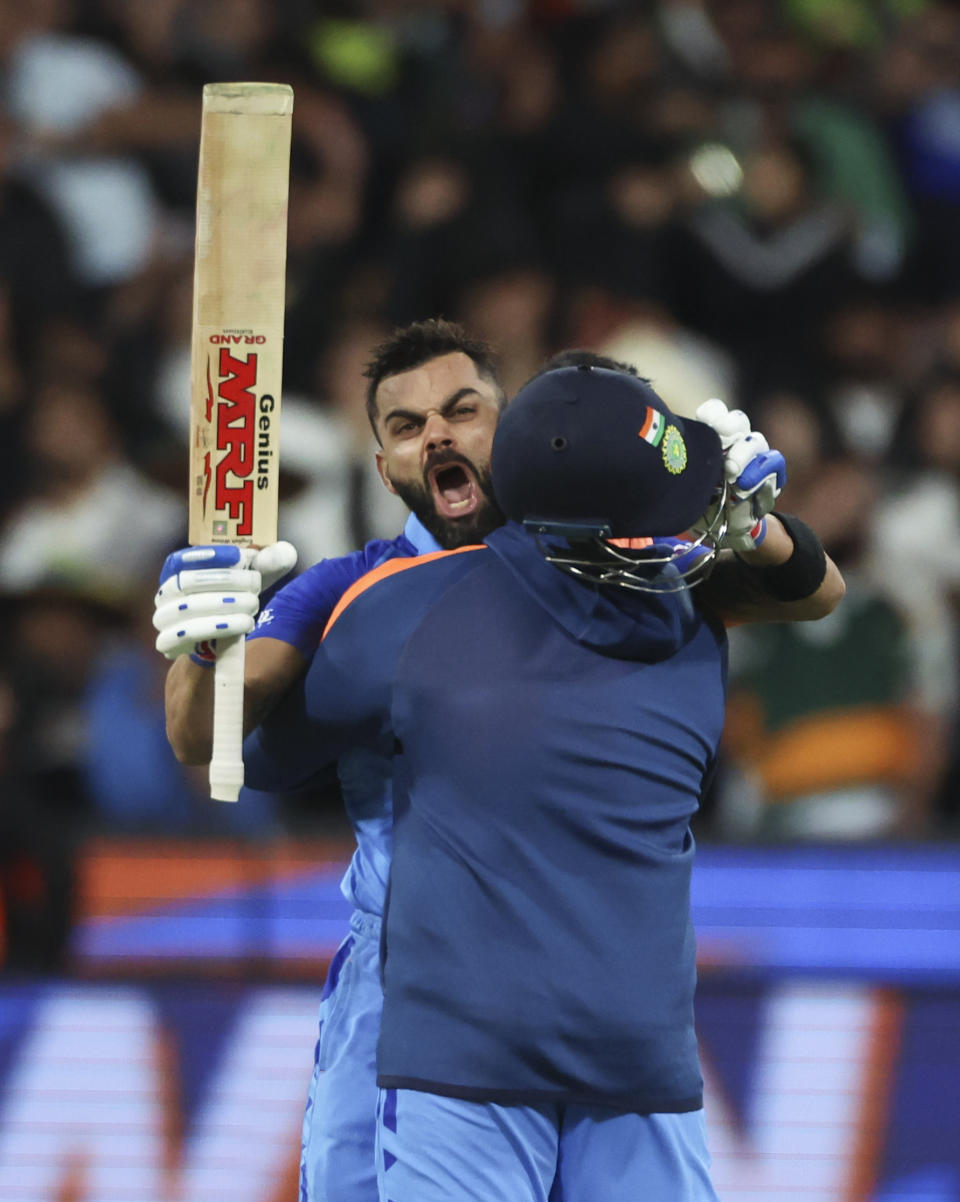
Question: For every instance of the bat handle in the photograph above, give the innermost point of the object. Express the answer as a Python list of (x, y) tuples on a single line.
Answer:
[(226, 764)]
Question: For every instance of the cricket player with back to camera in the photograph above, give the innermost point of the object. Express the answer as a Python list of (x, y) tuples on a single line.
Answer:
[(538, 961)]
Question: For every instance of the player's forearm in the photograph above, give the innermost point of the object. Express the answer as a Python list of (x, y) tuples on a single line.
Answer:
[(775, 551), (189, 710), (747, 586), (188, 702), (271, 667)]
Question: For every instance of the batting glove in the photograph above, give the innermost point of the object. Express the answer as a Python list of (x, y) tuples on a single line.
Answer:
[(754, 473), (208, 593)]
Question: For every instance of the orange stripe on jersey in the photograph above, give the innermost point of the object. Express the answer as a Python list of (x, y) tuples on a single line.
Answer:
[(389, 568)]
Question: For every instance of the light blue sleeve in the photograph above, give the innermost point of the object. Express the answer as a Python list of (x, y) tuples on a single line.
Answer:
[(299, 611)]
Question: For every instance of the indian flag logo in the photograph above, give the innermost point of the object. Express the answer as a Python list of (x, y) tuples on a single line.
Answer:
[(653, 427)]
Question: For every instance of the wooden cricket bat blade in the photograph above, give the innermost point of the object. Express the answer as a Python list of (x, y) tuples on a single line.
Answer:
[(237, 354)]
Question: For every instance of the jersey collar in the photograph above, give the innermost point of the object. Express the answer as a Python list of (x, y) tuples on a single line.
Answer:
[(420, 536)]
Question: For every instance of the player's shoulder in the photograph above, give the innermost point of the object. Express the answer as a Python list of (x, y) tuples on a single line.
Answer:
[(418, 576), (370, 556), (338, 572)]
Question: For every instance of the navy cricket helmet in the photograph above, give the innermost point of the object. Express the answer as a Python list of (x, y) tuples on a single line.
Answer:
[(588, 455)]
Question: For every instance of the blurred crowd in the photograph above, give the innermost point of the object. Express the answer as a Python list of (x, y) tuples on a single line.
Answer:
[(751, 199)]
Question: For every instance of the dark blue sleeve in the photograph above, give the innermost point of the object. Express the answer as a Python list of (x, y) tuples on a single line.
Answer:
[(279, 755), (342, 701), (299, 612)]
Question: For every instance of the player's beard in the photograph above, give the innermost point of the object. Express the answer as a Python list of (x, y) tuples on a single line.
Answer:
[(452, 533)]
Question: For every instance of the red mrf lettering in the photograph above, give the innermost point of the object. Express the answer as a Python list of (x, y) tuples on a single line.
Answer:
[(235, 438)]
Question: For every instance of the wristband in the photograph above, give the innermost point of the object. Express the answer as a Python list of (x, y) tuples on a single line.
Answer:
[(205, 653), (803, 572)]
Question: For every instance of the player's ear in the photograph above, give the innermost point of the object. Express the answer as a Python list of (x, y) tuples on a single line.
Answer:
[(384, 475)]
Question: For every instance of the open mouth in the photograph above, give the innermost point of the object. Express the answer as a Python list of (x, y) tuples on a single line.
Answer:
[(454, 489)]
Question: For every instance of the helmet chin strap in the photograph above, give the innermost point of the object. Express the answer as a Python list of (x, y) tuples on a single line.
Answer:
[(661, 567)]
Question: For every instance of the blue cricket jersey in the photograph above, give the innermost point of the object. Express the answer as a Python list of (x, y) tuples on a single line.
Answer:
[(297, 614), (550, 742)]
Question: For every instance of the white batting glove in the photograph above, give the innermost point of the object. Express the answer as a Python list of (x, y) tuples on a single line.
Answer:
[(754, 473), (208, 593)]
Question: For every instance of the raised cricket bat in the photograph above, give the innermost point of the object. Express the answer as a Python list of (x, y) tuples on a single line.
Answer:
[(237, 354)]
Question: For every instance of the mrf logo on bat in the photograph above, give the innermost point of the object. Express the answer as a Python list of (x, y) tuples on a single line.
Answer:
[(237, 435)]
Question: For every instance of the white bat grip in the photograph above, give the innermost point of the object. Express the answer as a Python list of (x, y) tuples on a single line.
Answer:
[(226, 764)]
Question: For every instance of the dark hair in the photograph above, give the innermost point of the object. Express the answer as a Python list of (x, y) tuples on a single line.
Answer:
[(413, 345), (582, 358)]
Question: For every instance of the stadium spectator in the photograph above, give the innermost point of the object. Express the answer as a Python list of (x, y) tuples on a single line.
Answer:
[(90, 515), (58, 83), (922, 575), (758, 275)]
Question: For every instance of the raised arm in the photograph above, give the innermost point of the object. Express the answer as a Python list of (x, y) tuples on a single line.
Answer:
[(788, 578), (772, 567), (206, 593), (270, 668)]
